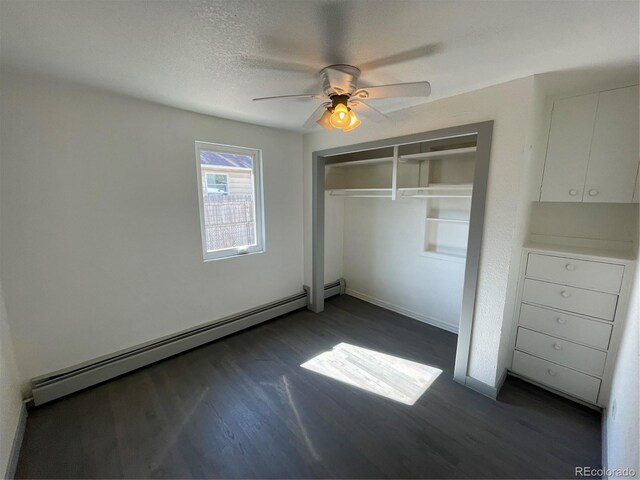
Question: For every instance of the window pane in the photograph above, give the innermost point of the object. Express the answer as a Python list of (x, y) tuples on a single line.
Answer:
[(228, 200), (221, 179)]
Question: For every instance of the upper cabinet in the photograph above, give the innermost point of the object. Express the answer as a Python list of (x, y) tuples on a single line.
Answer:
[(568, 148), (613, 164), (592, 152)]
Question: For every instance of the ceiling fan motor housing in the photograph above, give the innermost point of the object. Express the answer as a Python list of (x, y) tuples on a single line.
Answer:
[(339, 99), (339, 80)]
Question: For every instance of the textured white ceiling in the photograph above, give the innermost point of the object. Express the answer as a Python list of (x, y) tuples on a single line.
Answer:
[(215, 56)]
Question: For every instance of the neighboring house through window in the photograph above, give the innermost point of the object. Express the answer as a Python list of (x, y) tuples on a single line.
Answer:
[(230, 197), (217, 183)]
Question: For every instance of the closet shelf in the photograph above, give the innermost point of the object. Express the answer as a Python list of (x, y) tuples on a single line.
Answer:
[(368, 161), (461, 190), (447, 220), (362, 192), (420, 157), (458, 256)]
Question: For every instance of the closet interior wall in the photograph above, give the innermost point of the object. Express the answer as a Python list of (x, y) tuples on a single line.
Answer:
[(405, 213)]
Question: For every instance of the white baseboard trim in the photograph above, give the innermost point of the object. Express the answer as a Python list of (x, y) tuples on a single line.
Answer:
[(603, 429), (481, 387), (17, 443), (403, 311), (500, 381)]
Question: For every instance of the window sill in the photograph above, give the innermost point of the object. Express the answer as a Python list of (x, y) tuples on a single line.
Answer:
[(232, 255)]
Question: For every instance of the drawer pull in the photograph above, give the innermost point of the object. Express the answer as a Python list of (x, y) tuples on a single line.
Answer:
[(593, 192), (557, 346), (552, 372), (570, 266), (573, 192), (561, 320), (565, 294)]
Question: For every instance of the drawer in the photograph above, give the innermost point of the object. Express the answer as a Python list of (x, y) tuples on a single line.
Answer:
[(578, 300), (576, 329), (561, 378), (579, 273), (572, 355)]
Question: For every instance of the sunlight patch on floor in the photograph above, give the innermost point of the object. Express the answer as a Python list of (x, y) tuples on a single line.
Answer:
[(392, 377)]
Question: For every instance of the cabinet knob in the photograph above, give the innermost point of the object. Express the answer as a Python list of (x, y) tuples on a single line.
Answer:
[(570, 266), (557, 346), (573, 192), (565, 294), (552, 372), (593, 192), (561, 320)]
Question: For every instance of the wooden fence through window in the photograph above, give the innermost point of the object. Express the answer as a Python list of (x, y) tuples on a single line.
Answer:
[(229, 221)]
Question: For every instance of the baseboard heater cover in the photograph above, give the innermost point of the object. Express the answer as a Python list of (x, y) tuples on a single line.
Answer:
[(338, 287), (64, 382)]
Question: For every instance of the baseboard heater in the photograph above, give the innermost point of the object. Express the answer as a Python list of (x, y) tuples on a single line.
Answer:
[(63, 382)]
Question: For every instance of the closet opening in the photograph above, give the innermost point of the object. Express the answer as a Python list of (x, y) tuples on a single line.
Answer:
[(412, 212)]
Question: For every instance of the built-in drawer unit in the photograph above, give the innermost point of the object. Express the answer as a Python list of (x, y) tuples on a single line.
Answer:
[(605, 277), (570, 313), (572, 299), (585, 359), (570, 327), (561, 378)]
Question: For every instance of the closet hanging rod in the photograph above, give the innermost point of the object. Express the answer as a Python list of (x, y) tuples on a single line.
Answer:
[(440, 186), (437, 154), (447, 220), (434, 195), (367, 161), (362, 192)]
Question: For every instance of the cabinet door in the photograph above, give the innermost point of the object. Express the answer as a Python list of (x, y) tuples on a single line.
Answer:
[(568, 148), (613, 166)]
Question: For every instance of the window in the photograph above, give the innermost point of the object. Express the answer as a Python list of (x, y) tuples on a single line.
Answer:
[(217, 183), (230, 197)]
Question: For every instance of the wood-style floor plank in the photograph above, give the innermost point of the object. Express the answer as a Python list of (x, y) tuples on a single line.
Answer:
[(242, 407)]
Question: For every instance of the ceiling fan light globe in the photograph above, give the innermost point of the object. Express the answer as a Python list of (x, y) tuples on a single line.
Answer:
[(324, 121), (354, 122), (340, 117)]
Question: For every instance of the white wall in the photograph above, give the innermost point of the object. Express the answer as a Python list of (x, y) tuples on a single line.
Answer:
[(510, 105), (101, 237), (334, 235), (383, 259), (10, 396), (623, 413), (532, 167)]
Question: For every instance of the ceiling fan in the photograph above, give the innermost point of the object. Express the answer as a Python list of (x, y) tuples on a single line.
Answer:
[(343, 98)]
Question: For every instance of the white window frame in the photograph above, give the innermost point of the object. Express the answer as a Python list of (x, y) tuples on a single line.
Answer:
[(226, 175), (256, 156)]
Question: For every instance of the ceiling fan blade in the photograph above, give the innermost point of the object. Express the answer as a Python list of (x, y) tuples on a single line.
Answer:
[(315, 116), (413, 89), (275, 64), (407, 55), (368, 111), (279, 46), (317, 96)]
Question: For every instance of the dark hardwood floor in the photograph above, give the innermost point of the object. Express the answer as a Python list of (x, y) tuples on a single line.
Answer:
[(242, 407)]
